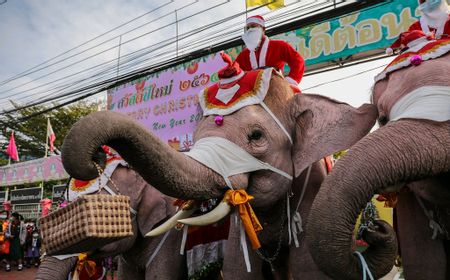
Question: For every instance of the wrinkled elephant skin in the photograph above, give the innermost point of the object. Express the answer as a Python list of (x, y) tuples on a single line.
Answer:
[(411, 152), (318, 126)]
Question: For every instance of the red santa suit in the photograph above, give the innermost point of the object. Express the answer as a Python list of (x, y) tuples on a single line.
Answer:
[(274, 53), (420, 25), (435, 19)]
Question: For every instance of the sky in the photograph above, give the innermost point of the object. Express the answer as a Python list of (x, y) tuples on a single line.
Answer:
[(32, 32)]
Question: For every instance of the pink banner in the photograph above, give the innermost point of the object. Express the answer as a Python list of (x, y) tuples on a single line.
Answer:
[(43, 169), (167, 102)]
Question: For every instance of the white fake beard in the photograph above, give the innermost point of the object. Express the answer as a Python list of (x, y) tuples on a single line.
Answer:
[(434, 18), (252, 37)]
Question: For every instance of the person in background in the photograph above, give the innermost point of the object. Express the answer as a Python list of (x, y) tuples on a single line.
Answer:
[(16, 233), (4, 242), (32, 246), (262, 52)]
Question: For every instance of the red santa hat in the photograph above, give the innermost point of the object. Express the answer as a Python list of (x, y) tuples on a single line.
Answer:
[(256, 19), (429, 50), (235, 89), (408, 39)]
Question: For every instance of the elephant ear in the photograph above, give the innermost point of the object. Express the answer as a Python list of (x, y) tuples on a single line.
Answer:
[(154, 207), (324, 126)]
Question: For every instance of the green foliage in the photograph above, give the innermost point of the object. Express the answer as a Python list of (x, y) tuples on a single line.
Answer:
[(30, 134)]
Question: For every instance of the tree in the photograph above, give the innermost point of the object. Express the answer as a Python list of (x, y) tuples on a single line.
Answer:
[(30, 133)]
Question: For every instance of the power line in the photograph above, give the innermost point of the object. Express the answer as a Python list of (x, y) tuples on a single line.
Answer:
[(26, 72), (157, 46), (93, 89)]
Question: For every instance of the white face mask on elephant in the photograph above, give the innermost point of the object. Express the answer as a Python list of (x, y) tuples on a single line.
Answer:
[(228, 159)]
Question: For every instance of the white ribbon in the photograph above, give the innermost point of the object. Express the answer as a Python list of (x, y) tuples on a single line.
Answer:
[(277, 121), (295, 225), (160, 244), (244, 246), (183, 240), (428, 102), (365, 267)]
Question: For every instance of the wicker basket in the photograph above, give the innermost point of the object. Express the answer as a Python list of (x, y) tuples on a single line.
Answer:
[(88, 223)]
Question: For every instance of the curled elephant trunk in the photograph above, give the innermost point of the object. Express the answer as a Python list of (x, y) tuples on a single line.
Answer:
[(172, 172), (53, 269), (402, 151)]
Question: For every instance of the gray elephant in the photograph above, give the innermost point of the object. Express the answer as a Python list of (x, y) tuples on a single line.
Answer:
[(409, 154), (137, 258), (263, 135)]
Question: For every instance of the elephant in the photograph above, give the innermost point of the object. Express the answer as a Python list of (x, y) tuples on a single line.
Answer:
[(283, 132), (409, 154), (151, 207)]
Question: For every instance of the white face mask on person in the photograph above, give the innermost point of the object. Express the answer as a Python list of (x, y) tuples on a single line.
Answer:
[(252, 37), (434, 11)]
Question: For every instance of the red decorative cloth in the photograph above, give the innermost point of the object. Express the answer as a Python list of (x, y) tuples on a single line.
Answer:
[(278, 54)]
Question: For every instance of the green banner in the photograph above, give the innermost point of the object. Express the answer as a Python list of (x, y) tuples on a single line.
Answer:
[(376, 27)]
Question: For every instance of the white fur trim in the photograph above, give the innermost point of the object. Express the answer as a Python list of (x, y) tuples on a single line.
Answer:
[(418, 45), (255, 20), (232, 79), (253, 61), (419, 41), (263, 53), (427, 56), (389, 51), (225, 95)]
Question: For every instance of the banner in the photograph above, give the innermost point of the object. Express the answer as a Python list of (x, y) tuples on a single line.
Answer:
[(58, 192), (43, 169), (166, 102), (376, 27), (26, 196)]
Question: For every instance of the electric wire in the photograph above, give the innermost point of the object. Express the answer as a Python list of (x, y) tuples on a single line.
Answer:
[(28, 90), (95, 85), (27, 72)]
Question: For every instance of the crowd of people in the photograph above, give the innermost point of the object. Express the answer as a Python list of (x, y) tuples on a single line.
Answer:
[(20, 242)]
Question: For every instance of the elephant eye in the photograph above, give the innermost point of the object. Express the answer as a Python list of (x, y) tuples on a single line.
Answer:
[(255, 135), (382, 120)]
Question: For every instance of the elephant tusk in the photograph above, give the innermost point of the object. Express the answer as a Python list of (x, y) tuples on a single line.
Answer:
[(184, 213), (215, 215)]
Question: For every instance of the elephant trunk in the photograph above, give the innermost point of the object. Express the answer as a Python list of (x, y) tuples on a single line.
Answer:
[(401, 152), (53, 269), (172, 172)]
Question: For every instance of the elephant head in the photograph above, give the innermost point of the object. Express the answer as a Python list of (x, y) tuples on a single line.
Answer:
[(413, 143), (286, 133)]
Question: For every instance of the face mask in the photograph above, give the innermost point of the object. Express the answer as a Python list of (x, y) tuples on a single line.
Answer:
[(430, 6), (227, 158), (252, 37)]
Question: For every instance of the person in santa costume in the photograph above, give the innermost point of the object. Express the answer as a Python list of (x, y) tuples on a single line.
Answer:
[(261, 52), (435, 19), (410, 41)]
